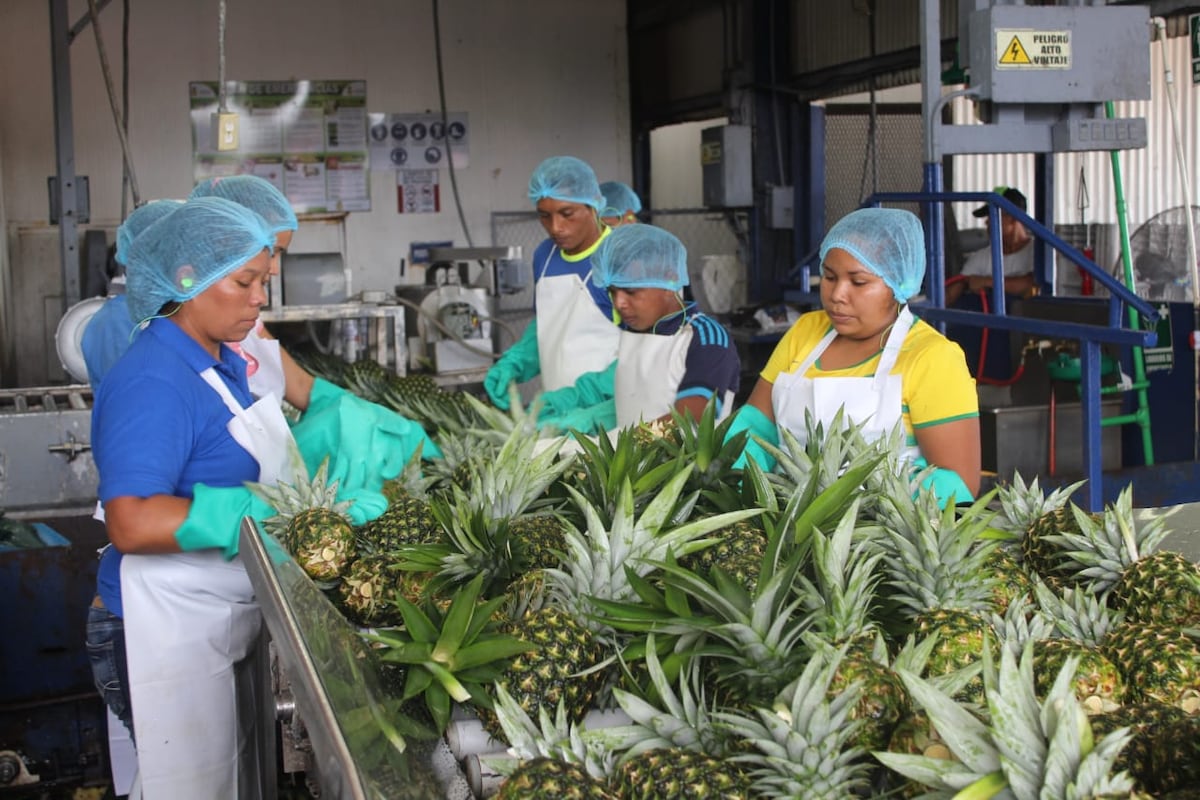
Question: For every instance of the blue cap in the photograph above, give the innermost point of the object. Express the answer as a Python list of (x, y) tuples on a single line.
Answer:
[(640, 256), (567, 179), (889, 242), (138, 220), (618, 198), (255, 193), (189, 250)]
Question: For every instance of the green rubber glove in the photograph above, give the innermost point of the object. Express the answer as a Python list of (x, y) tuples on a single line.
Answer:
[(589, 419), (323, 395), (946, 485), (592, 388), (366, 443), (748, 418), (519, 363), (215, 518)]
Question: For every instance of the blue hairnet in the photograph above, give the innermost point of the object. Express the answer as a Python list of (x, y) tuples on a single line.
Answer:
[(189, 250), (255, 193), (888, 241), (138, 220), (618, 198), (567, 179), (640, 256)]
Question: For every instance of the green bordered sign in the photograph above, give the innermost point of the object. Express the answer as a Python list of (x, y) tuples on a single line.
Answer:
[(1194, 29), (1161, 357)]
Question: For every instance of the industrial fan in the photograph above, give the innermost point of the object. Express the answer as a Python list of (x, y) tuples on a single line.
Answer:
[(1158, 251)]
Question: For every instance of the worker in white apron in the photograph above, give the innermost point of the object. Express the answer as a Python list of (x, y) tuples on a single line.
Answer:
[(864, 354), (176, 434), (573, 331), (671, 357)]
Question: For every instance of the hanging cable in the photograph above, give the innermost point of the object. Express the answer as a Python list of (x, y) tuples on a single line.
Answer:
[(221, 97), (441, 82), (125, 99), (118, 117), (871, 152)]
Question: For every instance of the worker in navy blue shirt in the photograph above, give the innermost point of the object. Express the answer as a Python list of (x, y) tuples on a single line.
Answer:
[(671, 356), (176, 434), (573, 331)]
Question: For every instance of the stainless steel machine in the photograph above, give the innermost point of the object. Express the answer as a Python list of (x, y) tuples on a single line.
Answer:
[(451, 314)]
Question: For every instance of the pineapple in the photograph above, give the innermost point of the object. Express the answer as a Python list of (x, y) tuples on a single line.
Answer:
[(451, 654), (840, 596), (1036, 518), (408, 519), (480, 522), (935, 561), (1027, 749), (1115, 552), (549, 779), (674, 748), (1151, 743), (804, 741), (311, 523), (597, 567), (1083, 621)]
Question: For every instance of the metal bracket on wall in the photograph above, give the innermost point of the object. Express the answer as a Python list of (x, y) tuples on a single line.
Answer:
[(83, 201)]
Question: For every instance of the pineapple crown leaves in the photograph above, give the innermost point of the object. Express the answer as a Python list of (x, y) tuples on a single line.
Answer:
[(412, 478), (596, 559), (706, 444), (679, 720), (935, 557), (1034, 750), (842, 591), (607, 461), (1023, 504), (1078, 614), (291, 499), (551, 737), (1105, 547), (451, 655), (1021, 622), (757, 636), (805, 741), (824, 456)]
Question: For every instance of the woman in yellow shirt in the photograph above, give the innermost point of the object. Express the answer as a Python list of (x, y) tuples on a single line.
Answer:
[(866, 353)]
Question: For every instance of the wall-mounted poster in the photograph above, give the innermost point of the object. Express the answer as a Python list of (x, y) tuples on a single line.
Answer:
[(418, 141), (309, 138)]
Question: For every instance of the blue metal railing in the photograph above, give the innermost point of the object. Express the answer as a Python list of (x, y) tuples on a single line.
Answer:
[(1090, 337)]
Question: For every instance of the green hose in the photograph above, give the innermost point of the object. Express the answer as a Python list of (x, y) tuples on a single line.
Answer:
[(1139, 362)]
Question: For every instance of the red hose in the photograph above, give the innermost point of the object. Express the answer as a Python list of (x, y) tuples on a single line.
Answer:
[(983, 343)]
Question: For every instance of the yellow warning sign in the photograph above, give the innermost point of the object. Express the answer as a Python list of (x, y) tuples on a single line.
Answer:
[(1024, 48), (1015, 53)]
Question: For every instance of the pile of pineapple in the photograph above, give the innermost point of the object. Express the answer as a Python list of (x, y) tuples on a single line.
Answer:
[(821, 631)]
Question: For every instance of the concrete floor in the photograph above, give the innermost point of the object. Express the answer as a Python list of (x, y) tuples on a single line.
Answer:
[(1184, 526)]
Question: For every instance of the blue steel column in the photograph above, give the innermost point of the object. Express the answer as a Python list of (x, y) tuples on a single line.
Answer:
[(931, 92), (64, 149), (1043, 196), (808, 179), (1089, 365)]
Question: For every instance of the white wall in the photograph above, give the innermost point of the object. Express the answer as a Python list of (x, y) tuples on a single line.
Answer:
[(538, 78)]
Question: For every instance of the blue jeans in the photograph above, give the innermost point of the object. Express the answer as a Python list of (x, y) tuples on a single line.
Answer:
[(106, 651)]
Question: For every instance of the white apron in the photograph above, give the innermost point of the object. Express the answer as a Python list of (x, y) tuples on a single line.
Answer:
[(649, 371), (264, 364), (875, 401), (573, 335), (193, 636)]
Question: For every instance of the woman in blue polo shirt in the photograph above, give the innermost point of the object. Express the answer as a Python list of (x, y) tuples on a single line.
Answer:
[(175, 434)]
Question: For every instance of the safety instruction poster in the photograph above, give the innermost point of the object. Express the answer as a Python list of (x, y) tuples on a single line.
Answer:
[(1021, 48), (417, 191), (419, 141), (309, 138)]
